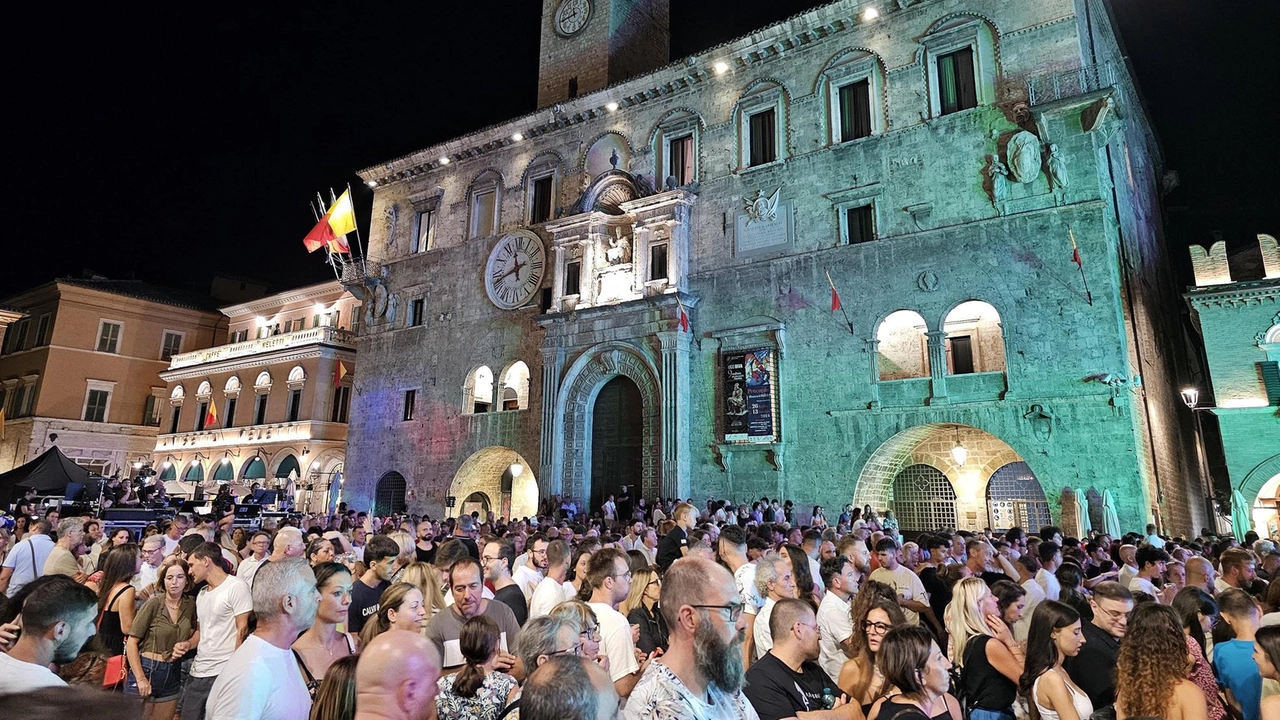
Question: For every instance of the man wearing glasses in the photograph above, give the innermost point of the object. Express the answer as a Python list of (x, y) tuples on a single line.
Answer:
[(787, 682), (528, 575), (1093, 669), (496, 559), (610, 581), (700, 675)]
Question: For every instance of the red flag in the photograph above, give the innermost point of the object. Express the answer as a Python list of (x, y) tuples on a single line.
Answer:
[(683, 316), (339, 373), (835, 296), (1075, 250), (320, 236)]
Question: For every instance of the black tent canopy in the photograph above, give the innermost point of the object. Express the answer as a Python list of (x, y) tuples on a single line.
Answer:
[(48, 474)]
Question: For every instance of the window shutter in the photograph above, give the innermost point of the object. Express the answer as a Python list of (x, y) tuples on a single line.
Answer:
[(1270, 371)]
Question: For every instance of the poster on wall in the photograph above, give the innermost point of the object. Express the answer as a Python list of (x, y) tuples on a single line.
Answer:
[(748, 396)]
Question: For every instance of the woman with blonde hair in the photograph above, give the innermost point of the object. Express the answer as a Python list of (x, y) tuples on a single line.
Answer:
[(399, 608), (425, 577), (641, 609), (982, 646), (336, 698), (581, 615), (1152, 668)]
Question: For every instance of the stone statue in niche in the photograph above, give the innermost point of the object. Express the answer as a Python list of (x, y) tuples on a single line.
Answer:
[(1041, 422), (619, 250), (391, 218), (613, 158), (999, 175), (393, 302), (1057, 170), (1023, 155), (762, 208)]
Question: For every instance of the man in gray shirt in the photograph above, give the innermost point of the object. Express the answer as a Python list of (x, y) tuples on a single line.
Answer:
[(466, 582)]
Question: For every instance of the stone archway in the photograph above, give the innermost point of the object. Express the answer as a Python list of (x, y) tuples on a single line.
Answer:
[(1259, 478), (487, 472), (575, 408), (934, 444)]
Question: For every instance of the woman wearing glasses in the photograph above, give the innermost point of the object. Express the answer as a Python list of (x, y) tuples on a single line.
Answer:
[(578, 612), (873, 614), (641, 609)]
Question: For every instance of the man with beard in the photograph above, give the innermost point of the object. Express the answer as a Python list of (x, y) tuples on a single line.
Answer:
[(57, 618), (787, 682), (700, 676), (261, 680), (528, 576)]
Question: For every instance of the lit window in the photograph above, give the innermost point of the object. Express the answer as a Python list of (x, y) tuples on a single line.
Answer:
[(410, 397)]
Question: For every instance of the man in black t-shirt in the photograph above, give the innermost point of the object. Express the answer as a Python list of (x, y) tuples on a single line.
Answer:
[(675, 544), (380, 558), (788, 681), (425, 549), (496, 562)]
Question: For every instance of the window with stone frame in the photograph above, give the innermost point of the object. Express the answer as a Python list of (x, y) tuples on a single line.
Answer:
[(854, 89), (341, 403), (97, 400), (109, 332), (424, 234), (658, 261), (417, 309), (858, 223), (961, 65), (676, 145), (43, 330), (573, 277), (17, 336), (762, 125), (410, 400), (486, 203), (171, 344)]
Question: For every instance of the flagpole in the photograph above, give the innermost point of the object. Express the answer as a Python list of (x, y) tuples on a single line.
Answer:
[(1080, 265), (328, 255), (359, 241), (842, 310)]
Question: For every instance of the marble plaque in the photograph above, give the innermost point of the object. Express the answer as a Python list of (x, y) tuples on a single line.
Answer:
[(759, 237)]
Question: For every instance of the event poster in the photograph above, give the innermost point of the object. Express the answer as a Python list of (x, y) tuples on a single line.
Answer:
[(748, 396)]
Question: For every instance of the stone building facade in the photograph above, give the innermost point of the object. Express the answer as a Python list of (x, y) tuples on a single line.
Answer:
[(267, 405), (1238, 315), (79, 369), (934, 162)]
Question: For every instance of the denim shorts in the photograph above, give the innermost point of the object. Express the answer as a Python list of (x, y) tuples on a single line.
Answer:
[(165, 677), (986, 714)]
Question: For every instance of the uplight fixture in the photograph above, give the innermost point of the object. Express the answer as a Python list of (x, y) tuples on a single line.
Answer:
[(444, 161), (372, 183), (611, 106), (517, 137), (721, 67), (869, 14)]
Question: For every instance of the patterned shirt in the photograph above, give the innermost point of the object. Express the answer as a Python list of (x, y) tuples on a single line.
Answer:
[(488, 703), (661, 695)]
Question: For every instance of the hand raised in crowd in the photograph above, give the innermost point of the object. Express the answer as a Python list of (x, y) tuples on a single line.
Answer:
[(8, 636), (504, 662), (1001, 630)]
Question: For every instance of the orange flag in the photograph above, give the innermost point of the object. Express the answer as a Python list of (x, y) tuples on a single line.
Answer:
[(339, 373)]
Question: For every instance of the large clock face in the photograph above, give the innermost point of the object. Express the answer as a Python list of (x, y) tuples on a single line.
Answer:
[(515, 269), (572, 16)]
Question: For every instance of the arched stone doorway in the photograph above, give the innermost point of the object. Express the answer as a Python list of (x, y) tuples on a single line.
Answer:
[(502, 476), (617, 437), (967, 456), (389, 494), (1015, 498), (476, 502), (1261, 488), (583, 383)]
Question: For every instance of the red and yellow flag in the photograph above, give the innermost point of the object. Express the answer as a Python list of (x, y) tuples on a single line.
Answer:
[(211, 417), (683, 316), (1075, 249), (331, 231), (339, 373)]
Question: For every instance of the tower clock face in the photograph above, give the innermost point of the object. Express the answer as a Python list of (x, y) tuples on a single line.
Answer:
[(572, 16), (515, 269)]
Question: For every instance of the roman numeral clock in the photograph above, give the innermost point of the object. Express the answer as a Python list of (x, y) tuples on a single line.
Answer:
[(515, 270)]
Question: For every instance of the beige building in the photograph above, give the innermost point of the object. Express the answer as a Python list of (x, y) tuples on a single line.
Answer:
[(79, 367), (269, 405)]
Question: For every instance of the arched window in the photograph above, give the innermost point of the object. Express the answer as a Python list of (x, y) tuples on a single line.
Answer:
[(232, 387), (255, 469), (263, 382), (515, 387), (297, 375), (960, 62), (924, 499), (478, 392), (676, 147), (975, 341), (205, 389), (854, 85), (903, 348), (195, 473), (178, 394), (389, 494), (542, 186)]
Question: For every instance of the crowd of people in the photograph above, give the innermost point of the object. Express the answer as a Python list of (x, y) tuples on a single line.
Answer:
[(653, 611)]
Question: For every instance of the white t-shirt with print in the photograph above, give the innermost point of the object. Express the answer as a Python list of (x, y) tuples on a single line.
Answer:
[(908, 586)]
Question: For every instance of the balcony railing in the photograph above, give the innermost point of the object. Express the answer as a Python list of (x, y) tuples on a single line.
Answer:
[(1070, 83), (298, 338)]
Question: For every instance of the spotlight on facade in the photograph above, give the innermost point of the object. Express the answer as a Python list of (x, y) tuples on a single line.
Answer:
[(517, 137), (721, 67), (1191, 397), (137, 466), (869, 14), (611, 106), (444, 161), (226, 461), (372, 183)]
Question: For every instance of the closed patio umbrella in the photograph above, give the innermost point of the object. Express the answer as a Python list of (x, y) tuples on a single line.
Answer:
[(1111, 521), (1241, 518), (1082, 512)]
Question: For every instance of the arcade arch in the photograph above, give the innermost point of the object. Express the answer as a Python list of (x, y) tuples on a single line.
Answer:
[(503, 480)]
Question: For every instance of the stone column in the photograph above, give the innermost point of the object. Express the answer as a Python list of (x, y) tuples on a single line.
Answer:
[(874, 345), (938, 366), (675, 413), (550, 475)]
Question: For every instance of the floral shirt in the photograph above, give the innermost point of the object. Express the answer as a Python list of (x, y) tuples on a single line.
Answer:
[(1202, 676), (489, 702), (660, 695)]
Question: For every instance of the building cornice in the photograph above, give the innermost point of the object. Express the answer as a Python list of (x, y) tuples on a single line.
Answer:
[(259, 361), (1235, 295), (272, 302)]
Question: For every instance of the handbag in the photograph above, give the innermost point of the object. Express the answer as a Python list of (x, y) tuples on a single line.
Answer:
[(116, 671)]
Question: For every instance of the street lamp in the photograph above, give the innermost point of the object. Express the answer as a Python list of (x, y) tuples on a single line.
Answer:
[(959, 452), (1191, 396)]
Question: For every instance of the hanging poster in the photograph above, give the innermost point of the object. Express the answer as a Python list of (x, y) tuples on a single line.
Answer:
[(748, 396)]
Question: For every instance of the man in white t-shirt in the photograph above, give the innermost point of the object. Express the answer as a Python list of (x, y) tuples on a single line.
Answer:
[(258, 545), (262, 680), (1050, 555), (610, 511), (528, 576), (1151, 565), (550, 591), (911, 594), (172, 534), (610, 581), (732, 549), (1127, 569), (57, 618), (222, 611), (152, 556), (25, 562), (835, 627)]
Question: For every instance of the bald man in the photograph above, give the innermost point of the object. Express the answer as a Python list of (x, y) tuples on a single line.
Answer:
[(396, 678)]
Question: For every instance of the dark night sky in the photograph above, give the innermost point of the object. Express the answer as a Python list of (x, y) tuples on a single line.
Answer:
[(172, 148)]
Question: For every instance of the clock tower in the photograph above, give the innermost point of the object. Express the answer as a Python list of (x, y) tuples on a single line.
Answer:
[(591, 44)]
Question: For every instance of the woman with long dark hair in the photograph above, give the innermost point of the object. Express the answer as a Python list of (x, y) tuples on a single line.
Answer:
[(1011, 599), (1152, 668), (1054, 636), (873, 616), (477, 691), (1198, 612), (805, 587), (1071, 580), (912, 663), (116, 597), (336, 697), (321, 645)]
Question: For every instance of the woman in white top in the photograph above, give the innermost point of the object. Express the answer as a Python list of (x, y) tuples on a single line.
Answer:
[(1054, 636)]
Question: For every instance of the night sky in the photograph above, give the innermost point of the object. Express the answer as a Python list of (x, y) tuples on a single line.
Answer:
[(171, 145)]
